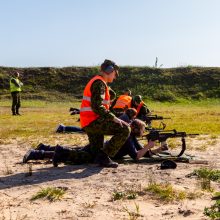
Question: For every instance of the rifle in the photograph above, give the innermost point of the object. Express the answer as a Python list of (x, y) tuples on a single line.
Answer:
[(158, 135), (149, 118)]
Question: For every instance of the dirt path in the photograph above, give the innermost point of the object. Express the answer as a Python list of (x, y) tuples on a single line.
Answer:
[(90, 189)]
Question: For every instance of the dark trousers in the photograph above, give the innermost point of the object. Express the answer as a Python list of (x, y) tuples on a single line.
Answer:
[(16, 102)]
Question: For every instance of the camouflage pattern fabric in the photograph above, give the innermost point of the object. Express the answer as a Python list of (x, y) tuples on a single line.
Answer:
[(98, 92), (104, 125), (79, 156), (96, 131)]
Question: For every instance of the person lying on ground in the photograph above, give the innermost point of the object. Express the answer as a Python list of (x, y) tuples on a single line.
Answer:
[(82, 155), (68, 129), (127, 117)]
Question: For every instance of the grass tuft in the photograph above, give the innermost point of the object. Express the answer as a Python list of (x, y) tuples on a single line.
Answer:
[(165, 192), (213, 211), (50, 193), (133, 215)]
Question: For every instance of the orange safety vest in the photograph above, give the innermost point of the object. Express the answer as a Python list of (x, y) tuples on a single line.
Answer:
[(123, 101), (86, 113), (139, 107)]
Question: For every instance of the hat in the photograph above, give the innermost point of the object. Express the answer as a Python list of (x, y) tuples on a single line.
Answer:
[(137, 99), (168, 164), (109, 66)]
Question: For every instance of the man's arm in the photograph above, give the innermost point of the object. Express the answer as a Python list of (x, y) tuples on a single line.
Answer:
[(146, 148), (15, 83)]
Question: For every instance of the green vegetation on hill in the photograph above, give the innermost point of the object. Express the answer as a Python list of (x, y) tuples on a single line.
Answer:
[(173, 84)]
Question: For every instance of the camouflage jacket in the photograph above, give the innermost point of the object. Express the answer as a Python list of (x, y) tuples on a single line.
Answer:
[(98, 90)]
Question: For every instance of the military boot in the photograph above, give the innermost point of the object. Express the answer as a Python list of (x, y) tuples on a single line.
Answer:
[(44, 147), (37, 155), (103, 160), (61, 154)]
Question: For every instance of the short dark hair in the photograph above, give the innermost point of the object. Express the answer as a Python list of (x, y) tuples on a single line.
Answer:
[(109, 66)]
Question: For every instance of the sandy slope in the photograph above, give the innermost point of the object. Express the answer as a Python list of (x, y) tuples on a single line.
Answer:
[(90, 188)]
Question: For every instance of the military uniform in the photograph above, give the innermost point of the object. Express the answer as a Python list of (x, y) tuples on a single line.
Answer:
[(79, 155), (104, 125)]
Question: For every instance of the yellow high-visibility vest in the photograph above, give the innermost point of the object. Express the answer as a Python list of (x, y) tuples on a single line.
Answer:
[(13, 87)]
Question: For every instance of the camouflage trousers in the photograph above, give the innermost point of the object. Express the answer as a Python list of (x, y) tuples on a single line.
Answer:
[(79, 156), (100, 127)]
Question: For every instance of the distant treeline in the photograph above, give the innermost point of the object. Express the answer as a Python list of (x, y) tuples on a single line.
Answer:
[(152, 83)]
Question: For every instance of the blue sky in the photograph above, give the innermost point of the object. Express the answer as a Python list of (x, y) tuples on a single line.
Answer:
[(131, 32)]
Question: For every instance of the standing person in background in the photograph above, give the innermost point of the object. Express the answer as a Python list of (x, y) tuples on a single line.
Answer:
[(15, 89), (97, 120)]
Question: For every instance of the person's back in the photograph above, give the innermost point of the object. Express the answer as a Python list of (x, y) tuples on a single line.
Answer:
[(122, 103)]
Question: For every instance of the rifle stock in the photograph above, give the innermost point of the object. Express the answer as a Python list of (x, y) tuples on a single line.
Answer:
[(157, 135)]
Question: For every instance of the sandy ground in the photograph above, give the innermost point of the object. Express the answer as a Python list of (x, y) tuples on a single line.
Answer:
[(90, 188)]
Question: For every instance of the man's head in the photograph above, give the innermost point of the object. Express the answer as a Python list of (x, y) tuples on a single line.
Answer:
[(16, 74), (109, 70), (137, 127), (138, 99), (127, 92)]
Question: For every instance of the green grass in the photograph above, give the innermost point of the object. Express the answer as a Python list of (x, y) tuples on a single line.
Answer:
[(50, 193), (205, 177), (213, 211), (193, 117), (165, 192), (133, 215), (129, 194), (40, 119)]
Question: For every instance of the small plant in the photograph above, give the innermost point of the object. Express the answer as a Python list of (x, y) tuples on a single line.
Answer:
[(131, 195), (165, 192), (194, 195), (214, 211), (213, 136), (212, 142), (50, 193), (206, 176), (118, 195), (133, 215)]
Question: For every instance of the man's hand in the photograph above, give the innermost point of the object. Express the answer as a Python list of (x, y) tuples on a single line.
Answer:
[(121, 122)]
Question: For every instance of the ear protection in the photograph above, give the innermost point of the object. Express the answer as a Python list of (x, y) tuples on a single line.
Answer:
[(109, 69)]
